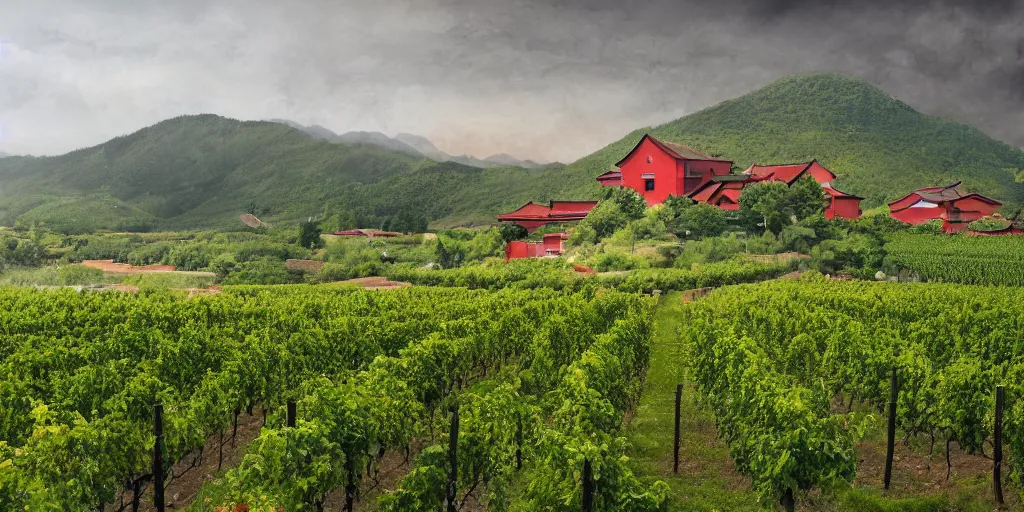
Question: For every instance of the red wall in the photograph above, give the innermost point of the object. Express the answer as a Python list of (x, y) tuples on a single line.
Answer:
[(554, 243), (705, 168), (661, 165), (845, 208), (668, 173)]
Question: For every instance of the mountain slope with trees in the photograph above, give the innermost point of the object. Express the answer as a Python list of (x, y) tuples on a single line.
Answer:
[(203, 171), (880, 147)]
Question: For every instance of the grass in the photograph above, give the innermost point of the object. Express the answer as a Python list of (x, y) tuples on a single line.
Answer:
[(707, 481)]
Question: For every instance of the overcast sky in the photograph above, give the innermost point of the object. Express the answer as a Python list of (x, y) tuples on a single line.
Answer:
[(549, 80)]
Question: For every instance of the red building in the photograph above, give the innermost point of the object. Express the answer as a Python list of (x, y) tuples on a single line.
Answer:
[(840, 204), (723, 191), (532, 215), (953, 206), (610, 179), (553, 245), (789, 173), (658, 169)]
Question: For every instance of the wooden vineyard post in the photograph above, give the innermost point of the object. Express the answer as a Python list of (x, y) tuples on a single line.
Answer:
[(891, 445), (519, 443), (997, 457), (788, 502), (453, 445), (158, 457), (588, 487), (675, 444), (291, 414)]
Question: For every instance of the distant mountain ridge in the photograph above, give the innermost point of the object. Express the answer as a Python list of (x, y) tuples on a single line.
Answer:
[(203, 171), (410, 144)]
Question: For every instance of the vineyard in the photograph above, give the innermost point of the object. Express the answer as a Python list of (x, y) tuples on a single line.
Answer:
[(555, 275), (542, 381), (781, 365), (991, 260)]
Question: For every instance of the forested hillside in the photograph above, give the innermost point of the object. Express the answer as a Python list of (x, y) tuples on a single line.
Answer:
[(203, 171), (880, 147)]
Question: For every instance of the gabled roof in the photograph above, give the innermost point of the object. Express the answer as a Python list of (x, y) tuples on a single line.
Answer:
[(571, 208), (610, 176), (938, 195), (834, 192), (529, 210), (729, 187), (788, 172), (677, 151)]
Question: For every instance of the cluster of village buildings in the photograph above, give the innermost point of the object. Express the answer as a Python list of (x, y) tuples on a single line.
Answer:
[(658, 170)]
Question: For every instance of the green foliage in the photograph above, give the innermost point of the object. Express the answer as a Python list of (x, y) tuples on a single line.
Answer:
[(450, 252), (858, 254), (806, 198), (607, 261), (699, 221), (709, 250), (601, 222), (262, 271), (771, 358), (630, 202), (994, 260), (486, 244), (879, 147), (309, 234), (764, 206), (511, 231)]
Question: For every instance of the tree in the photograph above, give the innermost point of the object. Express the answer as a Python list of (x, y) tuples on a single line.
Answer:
[(309, 234), (511, 231), (698, 221), (806, 198), (630, 203), (450, 252), (765, 205), (604, 219)]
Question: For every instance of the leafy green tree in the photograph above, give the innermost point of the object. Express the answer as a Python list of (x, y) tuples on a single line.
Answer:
[(699, 221), (485, 244), (450, 252), (604, 219), (806, 198), (511, 231), (630, 203), (764, 206), (309, 234)]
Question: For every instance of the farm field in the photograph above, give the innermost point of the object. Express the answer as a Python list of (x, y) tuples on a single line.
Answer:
[(995, 260), (542, 381), (777, 365), (708, 478)]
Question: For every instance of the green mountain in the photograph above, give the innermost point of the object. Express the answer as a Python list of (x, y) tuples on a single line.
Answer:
[(879, 147), (204, 171)]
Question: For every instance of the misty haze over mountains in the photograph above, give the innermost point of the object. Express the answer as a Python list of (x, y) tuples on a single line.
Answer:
[(409, 144)]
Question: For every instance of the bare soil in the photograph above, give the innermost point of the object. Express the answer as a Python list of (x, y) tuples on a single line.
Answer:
[(376, 283), (181, 490)]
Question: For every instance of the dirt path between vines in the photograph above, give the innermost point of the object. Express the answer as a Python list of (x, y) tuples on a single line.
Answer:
[(180, 492)]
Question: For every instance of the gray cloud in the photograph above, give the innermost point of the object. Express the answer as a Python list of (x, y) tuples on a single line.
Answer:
[(544, 80)]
